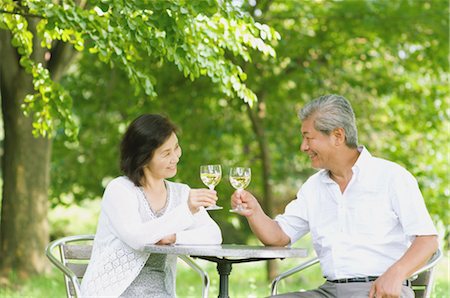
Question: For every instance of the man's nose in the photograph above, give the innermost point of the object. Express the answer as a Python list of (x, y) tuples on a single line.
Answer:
[(303, 146)]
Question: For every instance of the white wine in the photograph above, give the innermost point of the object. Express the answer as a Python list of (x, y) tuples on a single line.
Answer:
[(239, 182), (210, 179)]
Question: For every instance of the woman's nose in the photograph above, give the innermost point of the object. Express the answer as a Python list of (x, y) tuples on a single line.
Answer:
[(175, 158)]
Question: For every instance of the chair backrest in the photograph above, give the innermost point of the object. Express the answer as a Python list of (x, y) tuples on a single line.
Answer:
[(423, 279), (74, 255)]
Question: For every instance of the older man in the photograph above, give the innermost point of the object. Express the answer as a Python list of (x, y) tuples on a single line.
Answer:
[(369, 224)]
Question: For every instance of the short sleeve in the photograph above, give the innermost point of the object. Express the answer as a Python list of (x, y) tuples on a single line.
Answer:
[(294, 221), (409, 205)]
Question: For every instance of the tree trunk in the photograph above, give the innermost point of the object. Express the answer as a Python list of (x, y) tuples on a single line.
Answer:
[(24, 230), (257, 118), (25, 169)]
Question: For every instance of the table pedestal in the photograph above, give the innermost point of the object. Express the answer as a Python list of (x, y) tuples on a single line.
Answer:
[(224, 267)]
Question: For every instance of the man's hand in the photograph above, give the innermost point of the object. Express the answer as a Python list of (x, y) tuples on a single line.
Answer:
[(388, 285), (265, 228), (170, 239), (249, 204), (201, 197)]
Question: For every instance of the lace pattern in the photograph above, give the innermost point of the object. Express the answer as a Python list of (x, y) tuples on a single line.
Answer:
[(114, 265)]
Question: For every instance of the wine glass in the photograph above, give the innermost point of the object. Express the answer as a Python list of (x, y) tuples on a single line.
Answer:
[(240, 178), (211, 175)]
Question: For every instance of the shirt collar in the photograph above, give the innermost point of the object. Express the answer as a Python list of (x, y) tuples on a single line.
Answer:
[(362, 163), (358, 168)]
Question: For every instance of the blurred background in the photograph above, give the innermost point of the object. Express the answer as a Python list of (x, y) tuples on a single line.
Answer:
[(390, 59)]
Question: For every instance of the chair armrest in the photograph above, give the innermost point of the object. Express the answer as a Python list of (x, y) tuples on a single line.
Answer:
[(203, 274), (294, 270), (430, 264)]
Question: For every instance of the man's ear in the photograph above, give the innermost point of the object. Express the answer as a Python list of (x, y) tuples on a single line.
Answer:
[(339, 136)]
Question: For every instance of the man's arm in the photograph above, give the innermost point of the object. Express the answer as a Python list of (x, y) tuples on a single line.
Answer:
[(266, 229), (389, 284)]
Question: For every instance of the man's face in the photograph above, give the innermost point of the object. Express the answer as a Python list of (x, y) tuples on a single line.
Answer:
[(317, 145)]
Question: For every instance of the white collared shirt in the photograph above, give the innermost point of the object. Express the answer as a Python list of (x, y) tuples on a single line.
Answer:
[(364, 230)]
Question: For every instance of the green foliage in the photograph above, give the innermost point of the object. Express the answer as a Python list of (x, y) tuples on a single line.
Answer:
[(389, 58), (74, 220), (377, 60), (197, 36)]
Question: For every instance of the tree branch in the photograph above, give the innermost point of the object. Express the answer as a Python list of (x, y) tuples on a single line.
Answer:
[(24, 14)]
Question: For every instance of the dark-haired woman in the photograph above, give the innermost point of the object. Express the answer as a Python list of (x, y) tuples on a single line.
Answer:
[(142, 207)]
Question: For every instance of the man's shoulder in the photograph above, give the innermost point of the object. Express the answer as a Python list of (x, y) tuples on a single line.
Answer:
[(386, 166), (381, 171)]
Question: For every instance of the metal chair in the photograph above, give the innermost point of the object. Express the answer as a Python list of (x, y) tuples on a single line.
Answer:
[(75, 253), (421, 281)]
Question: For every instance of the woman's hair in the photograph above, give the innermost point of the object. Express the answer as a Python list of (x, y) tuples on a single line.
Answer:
[(143, 136), (331, 112)]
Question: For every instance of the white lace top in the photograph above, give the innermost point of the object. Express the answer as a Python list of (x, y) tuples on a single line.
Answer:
[(127, 223)]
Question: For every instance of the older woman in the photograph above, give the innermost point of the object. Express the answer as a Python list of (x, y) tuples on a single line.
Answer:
[(142, 207)]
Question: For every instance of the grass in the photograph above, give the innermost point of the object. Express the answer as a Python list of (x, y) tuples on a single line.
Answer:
[(246, 280)]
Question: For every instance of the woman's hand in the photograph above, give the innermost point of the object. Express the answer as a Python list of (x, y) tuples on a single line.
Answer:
[(170, 239), (201, 197), (247, 201)]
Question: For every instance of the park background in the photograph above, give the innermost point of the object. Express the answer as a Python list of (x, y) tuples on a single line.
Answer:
[(90, 71)]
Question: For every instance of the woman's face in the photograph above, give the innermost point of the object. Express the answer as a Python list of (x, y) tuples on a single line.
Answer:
[(165, 159)]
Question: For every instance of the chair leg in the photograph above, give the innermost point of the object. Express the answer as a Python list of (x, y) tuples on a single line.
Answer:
[(203, 274)]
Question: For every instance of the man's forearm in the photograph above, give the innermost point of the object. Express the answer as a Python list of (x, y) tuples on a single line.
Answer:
[(267, 230), (416, 256)]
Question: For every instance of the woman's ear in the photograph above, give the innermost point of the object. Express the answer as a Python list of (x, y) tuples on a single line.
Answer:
[(339, 136)]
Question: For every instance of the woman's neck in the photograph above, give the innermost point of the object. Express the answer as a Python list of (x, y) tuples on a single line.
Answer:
[(155, 192), (153, 185)]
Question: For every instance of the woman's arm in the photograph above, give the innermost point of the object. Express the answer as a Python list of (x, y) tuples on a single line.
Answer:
[(203, 231), (122, 212)]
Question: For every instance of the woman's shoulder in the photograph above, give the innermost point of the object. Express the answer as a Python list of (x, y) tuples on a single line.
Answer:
[(120, 182), (177, 186)]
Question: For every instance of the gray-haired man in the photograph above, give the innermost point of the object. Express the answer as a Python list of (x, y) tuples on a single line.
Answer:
[(369, 224)]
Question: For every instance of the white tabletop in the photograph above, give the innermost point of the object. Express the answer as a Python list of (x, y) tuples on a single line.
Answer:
[(229, 251)]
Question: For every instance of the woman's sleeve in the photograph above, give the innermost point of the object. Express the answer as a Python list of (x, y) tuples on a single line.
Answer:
[(204, 230), (122, 211)]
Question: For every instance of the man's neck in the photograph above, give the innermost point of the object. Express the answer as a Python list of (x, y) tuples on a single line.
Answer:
[(342, 171)]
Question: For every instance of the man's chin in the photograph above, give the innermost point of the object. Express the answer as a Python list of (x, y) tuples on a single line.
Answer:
[(316, 165)]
